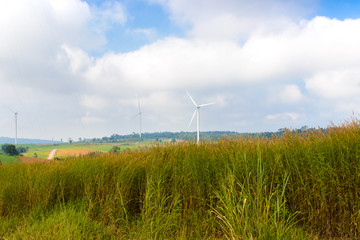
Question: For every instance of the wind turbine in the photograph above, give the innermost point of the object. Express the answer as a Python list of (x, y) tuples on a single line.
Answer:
[(197, 113), (139, 114), (15, 113)]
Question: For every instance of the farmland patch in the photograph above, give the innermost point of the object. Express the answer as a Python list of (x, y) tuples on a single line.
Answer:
[(76, 152)]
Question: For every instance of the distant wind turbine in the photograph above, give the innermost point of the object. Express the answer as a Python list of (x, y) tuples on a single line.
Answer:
[(15, 113), (197, 113), (139, 114)]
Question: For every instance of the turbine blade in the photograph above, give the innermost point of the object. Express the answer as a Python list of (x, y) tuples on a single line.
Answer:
[(192, 118), (191, 98), (206, 104)]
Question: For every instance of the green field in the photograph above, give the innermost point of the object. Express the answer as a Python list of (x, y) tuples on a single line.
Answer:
[(297, 186), (4, 159), (42, 150)]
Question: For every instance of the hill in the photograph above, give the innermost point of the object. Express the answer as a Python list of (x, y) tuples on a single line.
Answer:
[(24, 140)]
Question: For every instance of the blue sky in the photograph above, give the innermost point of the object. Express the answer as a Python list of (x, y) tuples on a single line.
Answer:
[(75, 68), (145, 15), (141, 15), (339, 9)]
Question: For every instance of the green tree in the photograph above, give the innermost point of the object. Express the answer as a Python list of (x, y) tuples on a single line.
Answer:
[(3, 147), (11, 150)]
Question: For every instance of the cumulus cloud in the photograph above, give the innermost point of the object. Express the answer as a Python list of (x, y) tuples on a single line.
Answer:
[(173, 63), (234, 19), (33, 34), (43, 51)]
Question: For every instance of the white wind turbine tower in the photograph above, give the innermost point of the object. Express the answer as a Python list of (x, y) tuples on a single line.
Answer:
[(197, 113), (15, 113), (139, 114)]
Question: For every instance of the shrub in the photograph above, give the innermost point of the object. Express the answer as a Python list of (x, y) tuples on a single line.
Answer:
[(115, 149)]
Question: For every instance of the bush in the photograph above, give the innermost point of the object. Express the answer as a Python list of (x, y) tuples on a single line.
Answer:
[(115, 149), (22, 149)]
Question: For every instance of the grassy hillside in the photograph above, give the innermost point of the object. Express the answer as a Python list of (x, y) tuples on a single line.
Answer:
[(5, 159), (291, 187)]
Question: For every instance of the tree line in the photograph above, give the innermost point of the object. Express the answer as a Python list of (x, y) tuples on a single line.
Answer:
[(12, 150), (189, 136)]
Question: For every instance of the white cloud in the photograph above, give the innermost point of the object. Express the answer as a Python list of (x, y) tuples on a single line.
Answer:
[(87, 119), (234, 19), (335, 84), (70, 12), (291, 94), (147, 33), (109, 12), (33, 33), (93, 102), (77, 59), (173, 63), (38, 28), (287, 116)]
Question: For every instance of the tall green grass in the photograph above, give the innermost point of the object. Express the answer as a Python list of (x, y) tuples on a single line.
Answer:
[(297, 186)]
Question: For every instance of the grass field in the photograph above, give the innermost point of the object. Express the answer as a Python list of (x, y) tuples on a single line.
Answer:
[(43, 150), (4, 159), (297, 186)]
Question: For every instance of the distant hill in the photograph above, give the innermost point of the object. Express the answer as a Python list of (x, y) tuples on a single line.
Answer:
[(24, 140)]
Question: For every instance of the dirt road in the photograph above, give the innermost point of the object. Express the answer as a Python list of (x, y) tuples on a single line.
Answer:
[(52, 154)]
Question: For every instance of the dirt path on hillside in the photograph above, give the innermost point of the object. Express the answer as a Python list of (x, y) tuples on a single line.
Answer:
[(52, 154)]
